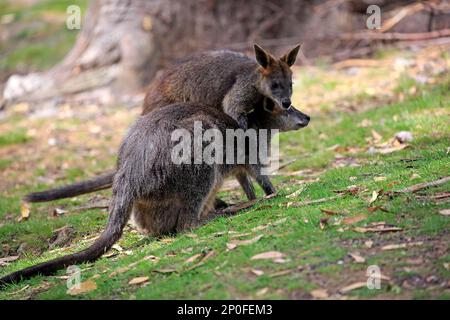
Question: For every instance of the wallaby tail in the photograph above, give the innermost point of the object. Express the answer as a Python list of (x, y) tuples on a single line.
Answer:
[(72, 190), (119, 215)]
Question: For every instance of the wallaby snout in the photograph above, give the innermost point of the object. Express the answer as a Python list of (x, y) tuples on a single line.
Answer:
[(300, 119)]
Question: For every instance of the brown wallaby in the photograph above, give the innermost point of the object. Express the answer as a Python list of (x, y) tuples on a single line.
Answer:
[(219, 79), (163, 197)]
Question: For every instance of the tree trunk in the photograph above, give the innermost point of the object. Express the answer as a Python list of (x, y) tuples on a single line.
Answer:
[(123, 43)]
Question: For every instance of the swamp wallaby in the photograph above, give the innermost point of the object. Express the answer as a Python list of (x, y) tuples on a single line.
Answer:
[(224, 79), (163, 197)]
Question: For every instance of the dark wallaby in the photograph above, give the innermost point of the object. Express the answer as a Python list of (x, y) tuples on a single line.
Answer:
[(219, 79), (163, 197)]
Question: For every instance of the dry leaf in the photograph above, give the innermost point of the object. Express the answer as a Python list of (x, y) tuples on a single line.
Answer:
[(354, 286), (257, 272), (268, 255), (262, 292), (330, 212), (445, 212), (323, 223), (281, 273), (84, 287), (233, 244), (295, 193), (166, 270), (376, 136), (379, 178), (4, 261), (357, 257), (319, 294), (259, 228), (401, 245), (355, 219), (138, 280), (24, 211), (375, 208), (118, 271), (392, 149), (381, 228), (191, 235), (368, 244), (374, 197), (193, 258)]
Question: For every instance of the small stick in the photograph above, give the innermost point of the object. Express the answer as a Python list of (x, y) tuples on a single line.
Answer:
[(424, 185)]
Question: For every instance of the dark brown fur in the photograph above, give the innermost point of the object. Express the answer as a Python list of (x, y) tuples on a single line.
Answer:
[(220, 79), (163, 197)]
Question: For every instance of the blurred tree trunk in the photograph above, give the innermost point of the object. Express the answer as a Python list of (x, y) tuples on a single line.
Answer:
[(123, 43)]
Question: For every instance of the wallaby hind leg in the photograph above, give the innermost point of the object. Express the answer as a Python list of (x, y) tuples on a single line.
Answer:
[(247, 185)]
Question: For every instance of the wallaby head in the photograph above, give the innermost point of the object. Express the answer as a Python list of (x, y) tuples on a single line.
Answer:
[(271, 117), (275, 81)]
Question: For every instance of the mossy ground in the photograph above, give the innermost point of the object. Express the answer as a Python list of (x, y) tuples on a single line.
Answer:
[(333, 153)]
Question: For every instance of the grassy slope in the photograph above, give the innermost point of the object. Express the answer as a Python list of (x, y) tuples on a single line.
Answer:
[(316, 258)]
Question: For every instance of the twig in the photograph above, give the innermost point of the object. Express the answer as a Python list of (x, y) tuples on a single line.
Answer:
[(316, 201), (400, 15), (424, 185), (396, 35), (97, 205)]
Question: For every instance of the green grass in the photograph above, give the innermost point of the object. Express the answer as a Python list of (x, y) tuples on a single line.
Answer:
[(39, 42), (13, 137), (317, 258)]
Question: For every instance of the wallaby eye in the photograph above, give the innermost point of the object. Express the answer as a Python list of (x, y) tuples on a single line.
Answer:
[(274, 85)]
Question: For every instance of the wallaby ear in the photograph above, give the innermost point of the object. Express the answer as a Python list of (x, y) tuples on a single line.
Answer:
[(262, 57), (290, 57)]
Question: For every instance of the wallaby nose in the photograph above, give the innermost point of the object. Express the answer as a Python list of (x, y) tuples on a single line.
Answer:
[(286, 103)]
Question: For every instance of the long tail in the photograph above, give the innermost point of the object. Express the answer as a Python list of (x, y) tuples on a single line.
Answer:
[(119, 215), (72, 190)]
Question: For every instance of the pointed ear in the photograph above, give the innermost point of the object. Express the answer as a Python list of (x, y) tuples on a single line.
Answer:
[(290, 57), (262, 57)]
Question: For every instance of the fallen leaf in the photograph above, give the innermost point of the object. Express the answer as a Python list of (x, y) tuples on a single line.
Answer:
[(268, 255), (138, 280), (166, 270), (4, 261), (259, 228), (234, 243), (330, 212), (357, 258), (414, 176), (401, 245), (377, 229), (392, 149), (319, 294), (368, 244), (355, 219), (445, 212), (84, 287), (376, 136), (295, 193), (257, 272), (379, 178), (193, 258), (353, 286), (24, 211), (281, 273), (117, 247), (118, 271), (374, 197), (262, 292), (323, 223), (191, 235), (375, 208)]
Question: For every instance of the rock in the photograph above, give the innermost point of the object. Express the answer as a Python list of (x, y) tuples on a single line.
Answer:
[(404, 136)]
